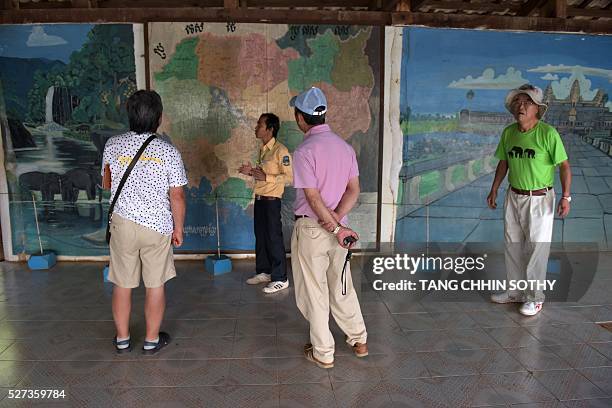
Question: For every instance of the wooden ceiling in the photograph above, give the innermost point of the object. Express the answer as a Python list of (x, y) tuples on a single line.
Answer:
[(593, 16)]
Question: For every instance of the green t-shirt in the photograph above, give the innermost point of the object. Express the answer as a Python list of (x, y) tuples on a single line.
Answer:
[(531, 156)]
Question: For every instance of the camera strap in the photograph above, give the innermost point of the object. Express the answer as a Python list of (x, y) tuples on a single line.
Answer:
[(343, 276)]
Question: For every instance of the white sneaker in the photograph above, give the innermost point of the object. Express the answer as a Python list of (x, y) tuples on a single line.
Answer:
[(273, 287), (259, 278), (505, 297), (531, 308)]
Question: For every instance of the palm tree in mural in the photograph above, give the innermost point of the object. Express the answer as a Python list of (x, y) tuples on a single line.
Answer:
[(469, 96)]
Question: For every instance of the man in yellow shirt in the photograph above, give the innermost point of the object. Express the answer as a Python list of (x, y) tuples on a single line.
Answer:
[(272, 173)]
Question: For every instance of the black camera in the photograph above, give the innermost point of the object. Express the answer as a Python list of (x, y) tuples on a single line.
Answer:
[(349, 240)]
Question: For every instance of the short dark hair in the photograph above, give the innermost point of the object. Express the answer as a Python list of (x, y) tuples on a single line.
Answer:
[(312, 120), (272, 122), (144, 110)]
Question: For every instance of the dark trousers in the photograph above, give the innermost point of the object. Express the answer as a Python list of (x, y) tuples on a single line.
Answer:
[(269, 245)]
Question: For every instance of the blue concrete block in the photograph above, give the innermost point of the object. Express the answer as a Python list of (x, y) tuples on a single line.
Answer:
[(554, 267), (105, 274), (44, 261), (218, 265)]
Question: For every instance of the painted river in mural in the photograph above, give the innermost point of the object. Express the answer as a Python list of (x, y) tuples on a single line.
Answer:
[(59, 215)]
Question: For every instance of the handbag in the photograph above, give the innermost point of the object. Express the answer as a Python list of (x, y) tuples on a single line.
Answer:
[(123, 180)]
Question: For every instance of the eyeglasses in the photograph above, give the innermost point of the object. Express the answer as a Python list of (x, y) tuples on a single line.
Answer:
[(526, 87), (527, 103)]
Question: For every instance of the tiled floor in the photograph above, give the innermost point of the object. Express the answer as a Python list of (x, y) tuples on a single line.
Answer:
[(236, 347)]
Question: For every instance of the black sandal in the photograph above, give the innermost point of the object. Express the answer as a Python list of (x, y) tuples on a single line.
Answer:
[(164, 340), (121, 350)]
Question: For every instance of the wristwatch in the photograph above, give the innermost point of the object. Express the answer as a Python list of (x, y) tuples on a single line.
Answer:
[(337, 229), (568, 198)]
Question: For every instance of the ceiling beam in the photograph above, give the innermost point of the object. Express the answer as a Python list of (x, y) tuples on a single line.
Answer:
[(512, 23), (190, 14), (584, 3), (415, 5), (461, 6), (390, 5), (240, 15), (403, 5), (84, 3), (230, 4), (366, 4), (528, 8), (590, 12), (144, 4), (554, 8), (45, 5), (560, 8), (398, 5)]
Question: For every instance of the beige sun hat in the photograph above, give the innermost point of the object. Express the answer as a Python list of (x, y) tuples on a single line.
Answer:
[(535, 93)]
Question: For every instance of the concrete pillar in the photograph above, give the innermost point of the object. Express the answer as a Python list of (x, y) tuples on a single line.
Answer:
[(413, 196), (447, 179), (469, 170)]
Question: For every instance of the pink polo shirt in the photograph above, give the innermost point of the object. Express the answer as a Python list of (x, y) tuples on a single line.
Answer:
[(323, 161)]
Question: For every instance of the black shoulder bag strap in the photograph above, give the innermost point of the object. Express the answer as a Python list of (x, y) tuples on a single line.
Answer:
[(123, 180)]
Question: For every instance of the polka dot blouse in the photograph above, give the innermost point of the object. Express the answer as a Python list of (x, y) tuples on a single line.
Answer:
[(144, 198)]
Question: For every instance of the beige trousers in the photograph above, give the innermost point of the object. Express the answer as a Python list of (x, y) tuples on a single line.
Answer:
[(528, 225), (136, 250), (316, 261)]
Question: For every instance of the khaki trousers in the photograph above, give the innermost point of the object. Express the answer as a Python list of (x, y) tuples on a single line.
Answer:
[(528, 225), (316, 261), (136, 250)]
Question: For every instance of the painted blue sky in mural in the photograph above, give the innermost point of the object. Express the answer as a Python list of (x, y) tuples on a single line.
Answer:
[(50, 41), (442, 66)]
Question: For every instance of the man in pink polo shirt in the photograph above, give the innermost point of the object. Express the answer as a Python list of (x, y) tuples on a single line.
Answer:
[(326, 179)]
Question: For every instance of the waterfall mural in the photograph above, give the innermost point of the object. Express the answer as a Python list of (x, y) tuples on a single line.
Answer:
[(62, 93), (59, 105), (49, 105)]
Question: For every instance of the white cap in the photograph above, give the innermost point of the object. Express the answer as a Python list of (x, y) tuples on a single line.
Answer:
[(310, 102), (535, 93)]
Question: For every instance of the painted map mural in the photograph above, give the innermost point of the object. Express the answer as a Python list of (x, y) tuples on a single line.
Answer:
[(453, 85), (63, 89), (215, 80)]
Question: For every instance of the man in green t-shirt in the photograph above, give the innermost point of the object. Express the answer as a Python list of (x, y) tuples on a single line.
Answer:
[(529, 150)]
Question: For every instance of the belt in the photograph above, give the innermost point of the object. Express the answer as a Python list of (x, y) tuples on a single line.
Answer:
[(539, 192), (260, 197), (297, 217)]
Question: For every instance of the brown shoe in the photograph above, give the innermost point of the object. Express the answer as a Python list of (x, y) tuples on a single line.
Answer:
[(360, 349), (308, 353)]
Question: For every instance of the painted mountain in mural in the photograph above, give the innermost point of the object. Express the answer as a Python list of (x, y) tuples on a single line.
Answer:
[(17, 78)]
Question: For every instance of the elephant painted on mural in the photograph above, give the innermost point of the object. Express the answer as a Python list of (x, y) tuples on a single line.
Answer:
[(75, 180), (96, 178), (516, 152), (48, 184), (530, 153)]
